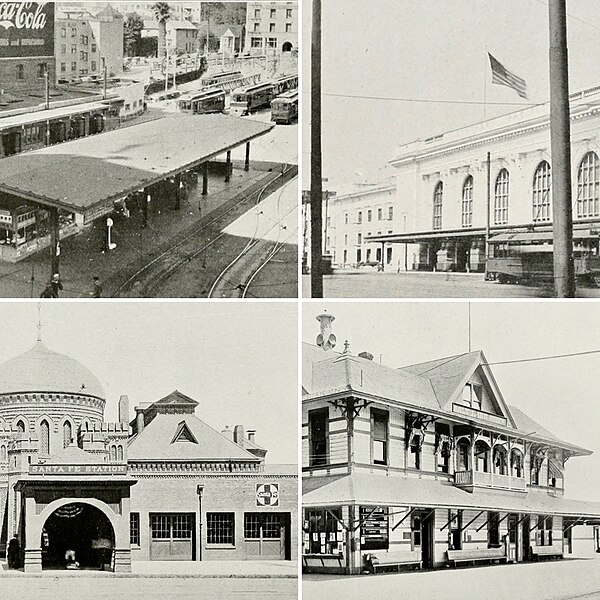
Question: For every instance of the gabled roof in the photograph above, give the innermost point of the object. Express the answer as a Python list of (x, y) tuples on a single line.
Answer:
[(176, 398), (157, 441)]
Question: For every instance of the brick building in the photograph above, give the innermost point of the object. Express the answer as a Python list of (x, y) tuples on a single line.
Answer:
[(164, 487), (271, 27)]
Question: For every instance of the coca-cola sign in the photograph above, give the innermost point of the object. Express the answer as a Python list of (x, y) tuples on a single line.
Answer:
[(26, 29)]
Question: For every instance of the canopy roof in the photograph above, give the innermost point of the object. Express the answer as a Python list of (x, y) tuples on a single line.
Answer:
[(87, 175)]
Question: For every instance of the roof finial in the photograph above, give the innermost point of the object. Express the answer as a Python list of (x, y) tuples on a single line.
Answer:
[(346, 347), (39, 323)]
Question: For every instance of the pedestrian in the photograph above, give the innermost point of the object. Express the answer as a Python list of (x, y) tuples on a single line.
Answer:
[(13, 553), (47, 292), (56, 285), (97, 291)]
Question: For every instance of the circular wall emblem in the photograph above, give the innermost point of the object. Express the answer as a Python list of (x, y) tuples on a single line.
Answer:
[(267, 494)]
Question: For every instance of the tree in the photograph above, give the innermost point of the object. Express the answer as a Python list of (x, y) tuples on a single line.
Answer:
[(162, 13), (132, 34)]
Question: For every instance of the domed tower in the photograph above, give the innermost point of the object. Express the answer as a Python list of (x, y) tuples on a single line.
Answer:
[(49, 394)]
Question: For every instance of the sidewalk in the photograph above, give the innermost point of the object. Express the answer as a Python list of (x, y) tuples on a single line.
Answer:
[(248, 569)]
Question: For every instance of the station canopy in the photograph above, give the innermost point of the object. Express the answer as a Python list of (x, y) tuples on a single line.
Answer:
[(87, 175)]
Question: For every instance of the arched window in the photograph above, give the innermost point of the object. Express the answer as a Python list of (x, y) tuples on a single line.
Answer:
[(588, 187), (463, 450), (542, 193), (500, 460), (467, 202), (21, 425), (482, 457), (437, 205), (113, 454), (516, 463), (45, 438), (67, 434), (501, 198), (120, 453), (2, 453)]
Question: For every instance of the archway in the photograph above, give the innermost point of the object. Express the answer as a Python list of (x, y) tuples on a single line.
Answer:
[(81, 528), (287, 47)]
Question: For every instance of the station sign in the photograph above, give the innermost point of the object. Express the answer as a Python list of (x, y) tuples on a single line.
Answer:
[(26, 29), (99, 469), (267, 494)]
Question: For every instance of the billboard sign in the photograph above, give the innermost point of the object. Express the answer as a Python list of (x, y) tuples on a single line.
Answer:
[(26, 29)]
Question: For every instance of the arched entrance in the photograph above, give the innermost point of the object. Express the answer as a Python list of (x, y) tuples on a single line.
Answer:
[(287, 47), (80, 528)]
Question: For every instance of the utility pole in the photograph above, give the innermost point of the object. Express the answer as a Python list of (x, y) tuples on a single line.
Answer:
[(560, 145), (316, 185), (487, 213), (47, 89)]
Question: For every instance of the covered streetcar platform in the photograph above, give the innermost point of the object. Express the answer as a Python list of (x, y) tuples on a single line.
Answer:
[(79, 181), (348, 517)]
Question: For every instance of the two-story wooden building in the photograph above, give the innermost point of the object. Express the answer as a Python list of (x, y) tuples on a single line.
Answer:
[(426, 466)]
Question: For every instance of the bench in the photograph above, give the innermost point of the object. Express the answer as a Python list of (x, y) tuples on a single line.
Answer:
[(488, 555), (383, 560), (546, 551)]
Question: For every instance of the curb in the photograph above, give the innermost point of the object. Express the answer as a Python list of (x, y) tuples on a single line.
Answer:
[(95, 574)]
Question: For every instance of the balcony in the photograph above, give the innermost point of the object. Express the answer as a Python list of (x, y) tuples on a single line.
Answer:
[(481, 479)]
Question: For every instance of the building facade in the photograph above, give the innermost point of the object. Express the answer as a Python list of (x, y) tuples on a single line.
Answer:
[(426, 466), (85, 43), (164, 487), (271, 27), (182, 37)]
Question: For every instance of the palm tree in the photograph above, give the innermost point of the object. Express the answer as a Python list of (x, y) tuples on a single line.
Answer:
[(162, 13)]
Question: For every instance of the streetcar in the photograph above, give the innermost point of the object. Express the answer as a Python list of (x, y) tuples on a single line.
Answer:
[(247, 99), (285, 83), (528, 257), (284, 108), (211, 100), (220, 78)]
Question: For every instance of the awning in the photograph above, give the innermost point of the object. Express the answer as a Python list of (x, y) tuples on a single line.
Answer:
[(87, 175), (379, 490)]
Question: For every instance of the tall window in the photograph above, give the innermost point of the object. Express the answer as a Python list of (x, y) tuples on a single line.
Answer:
[(21, 425), (318, 434), (220, 528), (44, 438), (380, 214), (493, 530), (390, 213), (516, 463), (455, 529), (379, 436), (501, 198), (500, 460), (467, 202), (472, 395), (463, 449), (20, 72), (588, 187), (437, 205), (359, 217), (482, 457), (542, 193), (134, 529), (67, 434), (369, 215), (3, 453)]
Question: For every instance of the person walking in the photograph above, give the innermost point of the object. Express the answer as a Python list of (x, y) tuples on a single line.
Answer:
[(56, 285), (97, 291), (13, 553)]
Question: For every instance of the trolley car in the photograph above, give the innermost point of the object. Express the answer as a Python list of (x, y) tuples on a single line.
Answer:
[(527, 257), (245, 100), (220, 78), (285, 83), (284, 108), (199, 103)]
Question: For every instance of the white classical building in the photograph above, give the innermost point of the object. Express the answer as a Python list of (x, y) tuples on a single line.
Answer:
[(434, 213)]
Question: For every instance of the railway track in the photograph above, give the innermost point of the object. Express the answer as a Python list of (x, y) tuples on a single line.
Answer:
[(225, 279), (194, 243)]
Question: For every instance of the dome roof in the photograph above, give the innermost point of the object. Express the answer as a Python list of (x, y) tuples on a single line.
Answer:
[(42, 370)]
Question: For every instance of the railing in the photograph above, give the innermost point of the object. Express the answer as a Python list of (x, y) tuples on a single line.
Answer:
[(489, 480), (463, 478)]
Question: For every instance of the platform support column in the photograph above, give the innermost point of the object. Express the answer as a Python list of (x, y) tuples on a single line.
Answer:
[(204, 179), (228, 167), (247, 161), (178, 191), (145, 203), (54, 240)]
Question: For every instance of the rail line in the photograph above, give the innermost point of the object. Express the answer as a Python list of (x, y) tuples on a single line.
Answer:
[(252, 243)]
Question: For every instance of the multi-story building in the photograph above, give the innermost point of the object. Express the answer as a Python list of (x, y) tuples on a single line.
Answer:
[(271, 27), (182, 37), (426, 465), (85, 43), (165, 486)]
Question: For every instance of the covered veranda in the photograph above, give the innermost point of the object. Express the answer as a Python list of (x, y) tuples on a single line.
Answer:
[(87, 179)]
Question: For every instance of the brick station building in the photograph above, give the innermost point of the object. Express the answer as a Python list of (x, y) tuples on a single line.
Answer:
[(164, 487), (426, 466)]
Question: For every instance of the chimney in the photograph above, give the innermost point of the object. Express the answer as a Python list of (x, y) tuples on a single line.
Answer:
[(139, 419), (251, 434), (228, 433), (239, 435), (365, 355), (124, 409)]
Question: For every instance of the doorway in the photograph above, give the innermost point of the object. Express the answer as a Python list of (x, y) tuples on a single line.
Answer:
[(525, 538), (267, 536), (422, 536), (172, 536)]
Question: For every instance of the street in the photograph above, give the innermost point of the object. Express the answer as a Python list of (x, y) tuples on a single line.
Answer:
[(567, 579), (371, 284)]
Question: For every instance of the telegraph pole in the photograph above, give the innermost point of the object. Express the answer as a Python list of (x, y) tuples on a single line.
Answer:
[(560, 145), (316, 184)]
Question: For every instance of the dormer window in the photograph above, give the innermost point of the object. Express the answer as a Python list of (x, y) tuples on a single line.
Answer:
[(472, 395)]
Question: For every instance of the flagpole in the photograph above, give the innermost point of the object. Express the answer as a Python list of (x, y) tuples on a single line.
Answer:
[(485, 84)]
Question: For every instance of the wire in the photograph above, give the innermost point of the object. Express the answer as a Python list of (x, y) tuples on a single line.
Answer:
[(571, 16), (538, 358)]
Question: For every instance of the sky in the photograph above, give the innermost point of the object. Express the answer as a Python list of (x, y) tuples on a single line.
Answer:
[(429, 50), (562, 395), (238, 360)]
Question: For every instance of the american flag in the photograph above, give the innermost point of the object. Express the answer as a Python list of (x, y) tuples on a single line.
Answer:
[(502, 76)]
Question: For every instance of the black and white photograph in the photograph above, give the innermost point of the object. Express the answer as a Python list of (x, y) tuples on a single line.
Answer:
[(148, 450), (453, 149), (450, 450), (149, 149)]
